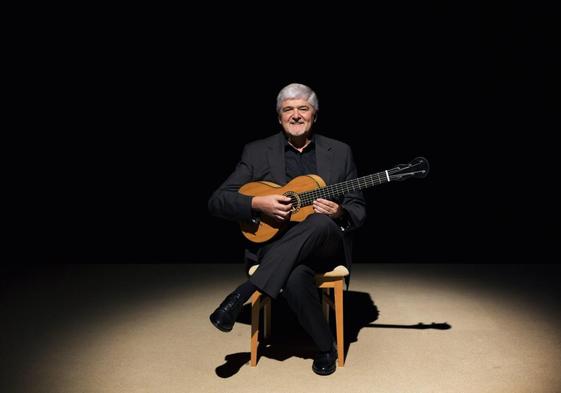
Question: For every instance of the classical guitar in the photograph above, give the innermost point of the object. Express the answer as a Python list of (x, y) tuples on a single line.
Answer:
[(303, 190)]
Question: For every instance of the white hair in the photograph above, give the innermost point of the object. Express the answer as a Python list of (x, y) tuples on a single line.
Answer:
[(297, 91)]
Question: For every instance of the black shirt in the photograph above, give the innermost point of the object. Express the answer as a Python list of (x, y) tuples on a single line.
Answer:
[(298, 164), (304, 163)]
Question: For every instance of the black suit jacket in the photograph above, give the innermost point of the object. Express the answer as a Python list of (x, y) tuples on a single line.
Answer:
[(264, 160)]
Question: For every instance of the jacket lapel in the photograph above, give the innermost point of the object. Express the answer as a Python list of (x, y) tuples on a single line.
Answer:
[(276, 160), (324, 159)]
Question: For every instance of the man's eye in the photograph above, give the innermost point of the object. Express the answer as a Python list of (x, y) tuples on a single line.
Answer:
[(303, 108)]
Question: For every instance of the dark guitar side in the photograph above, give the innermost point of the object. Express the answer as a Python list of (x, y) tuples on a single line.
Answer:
[(268, 227)]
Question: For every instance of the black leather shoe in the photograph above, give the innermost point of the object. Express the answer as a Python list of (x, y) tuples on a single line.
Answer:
[(325, 362), (226, 314)]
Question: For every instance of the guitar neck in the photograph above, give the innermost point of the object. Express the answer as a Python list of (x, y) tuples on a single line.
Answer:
[(334, 191)]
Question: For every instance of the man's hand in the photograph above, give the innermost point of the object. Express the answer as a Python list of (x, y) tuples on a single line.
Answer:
[(276, 206), (324, 206)]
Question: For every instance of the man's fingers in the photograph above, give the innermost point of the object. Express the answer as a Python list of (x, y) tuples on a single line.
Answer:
[(282, 212), (281, 217), (324, 208), (319, 209), (284, 199), (327, 203)]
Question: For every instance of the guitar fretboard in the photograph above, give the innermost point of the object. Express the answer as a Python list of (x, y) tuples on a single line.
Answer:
[(334, 191)]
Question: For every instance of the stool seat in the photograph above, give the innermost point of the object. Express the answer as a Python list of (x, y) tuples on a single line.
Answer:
[(339, 271), (332, 279)]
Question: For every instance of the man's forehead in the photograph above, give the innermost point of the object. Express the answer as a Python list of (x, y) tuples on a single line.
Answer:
[(295, 102)]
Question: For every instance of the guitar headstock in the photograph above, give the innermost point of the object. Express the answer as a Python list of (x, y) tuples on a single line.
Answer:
[(418, 167)]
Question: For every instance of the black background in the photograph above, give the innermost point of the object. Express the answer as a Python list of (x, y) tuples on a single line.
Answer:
[(146, 114)]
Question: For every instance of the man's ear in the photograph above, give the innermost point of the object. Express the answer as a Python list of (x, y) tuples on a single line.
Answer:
[(315, 117)]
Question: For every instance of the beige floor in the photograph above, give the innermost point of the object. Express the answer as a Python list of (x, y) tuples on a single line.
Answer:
[(145, 328)]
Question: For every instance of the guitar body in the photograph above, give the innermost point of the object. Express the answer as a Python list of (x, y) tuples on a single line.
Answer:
[(268, 227)]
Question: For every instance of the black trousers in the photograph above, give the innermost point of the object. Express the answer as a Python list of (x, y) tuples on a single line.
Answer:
[(290, 263)]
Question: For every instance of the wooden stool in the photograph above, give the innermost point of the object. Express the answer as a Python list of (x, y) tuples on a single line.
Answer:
[(333, 279)]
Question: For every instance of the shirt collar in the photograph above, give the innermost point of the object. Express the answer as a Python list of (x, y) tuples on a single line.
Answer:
[(310, 145)]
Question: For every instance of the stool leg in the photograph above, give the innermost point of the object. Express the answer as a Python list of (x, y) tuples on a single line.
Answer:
[(267, 317), (255, 307), (339, 322)]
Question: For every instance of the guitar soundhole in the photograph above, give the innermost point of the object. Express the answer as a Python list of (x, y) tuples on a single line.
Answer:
[(294, 200)]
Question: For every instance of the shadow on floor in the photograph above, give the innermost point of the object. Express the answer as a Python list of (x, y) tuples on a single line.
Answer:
[(288, 339)]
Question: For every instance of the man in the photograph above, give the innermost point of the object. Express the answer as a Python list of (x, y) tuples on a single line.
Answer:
[(289, 261)]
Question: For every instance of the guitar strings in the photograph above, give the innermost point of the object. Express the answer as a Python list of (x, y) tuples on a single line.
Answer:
[(307, 197), (333, 190)]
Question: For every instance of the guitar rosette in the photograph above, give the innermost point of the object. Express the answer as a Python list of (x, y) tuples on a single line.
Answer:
[(295, 201)]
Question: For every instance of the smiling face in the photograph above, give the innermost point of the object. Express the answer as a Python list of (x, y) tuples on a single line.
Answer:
[(296, 117)]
